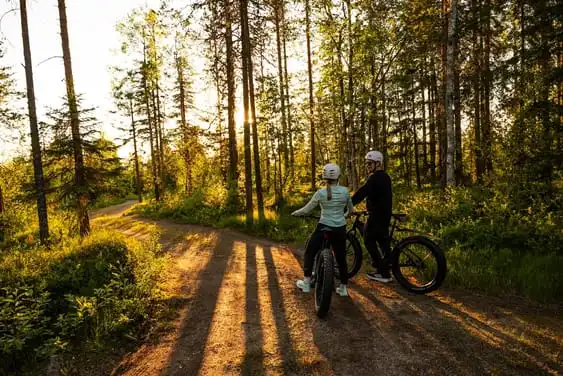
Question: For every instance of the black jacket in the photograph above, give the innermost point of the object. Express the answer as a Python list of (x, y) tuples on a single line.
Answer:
[(379, 197)]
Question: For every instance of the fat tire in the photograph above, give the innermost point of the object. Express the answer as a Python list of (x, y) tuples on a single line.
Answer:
[(358, 254), (324, 282), (436, 252)]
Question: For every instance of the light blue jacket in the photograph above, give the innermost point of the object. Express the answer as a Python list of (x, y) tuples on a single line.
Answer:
[(333, 212)]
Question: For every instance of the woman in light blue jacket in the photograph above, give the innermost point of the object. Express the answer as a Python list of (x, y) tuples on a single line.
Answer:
[(336, 204)]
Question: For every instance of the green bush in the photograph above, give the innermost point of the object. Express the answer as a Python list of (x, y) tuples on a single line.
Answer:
[(494, 240), (23, 324), (91, 290)]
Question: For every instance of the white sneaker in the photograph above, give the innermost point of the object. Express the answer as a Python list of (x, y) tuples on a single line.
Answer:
[(342, 290), (379, 278), (304, 286)]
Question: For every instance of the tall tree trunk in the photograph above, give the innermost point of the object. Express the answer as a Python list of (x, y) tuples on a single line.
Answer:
[(384, 123), (233, 156), (255, 141), (458, 157), (247, 153), (154, 158), (415, 136), (157, 138), (486, 127), (138, 182), (442, 116), (311, 98), (287, 97), (280, 198), (1, 204), (424, 82), (450, 170), (266, 139), (519, 140), (364, 130), (160, 117), (186, 139), (432, 105), (372, 114), (217, 56), (222, 144), (545, 64), (268, 162), (479, 162), (277, 17), (35, 143), (79, 169), (343, 119), (403, 140), (156, 107), (558, 125), (351, 103)]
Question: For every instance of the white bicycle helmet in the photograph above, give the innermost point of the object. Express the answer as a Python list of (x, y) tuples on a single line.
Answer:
[(331, 171), (375, 156)]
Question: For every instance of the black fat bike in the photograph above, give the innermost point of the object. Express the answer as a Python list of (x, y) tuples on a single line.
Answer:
[(324, 273), (416, 261)]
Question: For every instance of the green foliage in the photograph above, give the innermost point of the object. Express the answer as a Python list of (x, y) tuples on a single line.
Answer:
[(493, 240), (102, 167), (91, 291), (195, 209), (22, 320), (18, 221)]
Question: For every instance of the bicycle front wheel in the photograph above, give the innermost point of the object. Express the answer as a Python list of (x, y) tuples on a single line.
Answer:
[(324, 282), (419, 264)]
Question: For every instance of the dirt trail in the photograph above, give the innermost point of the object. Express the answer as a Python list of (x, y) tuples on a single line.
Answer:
[(240, 313)]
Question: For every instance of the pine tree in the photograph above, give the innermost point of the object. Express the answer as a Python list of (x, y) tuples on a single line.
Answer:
[(35, 143)]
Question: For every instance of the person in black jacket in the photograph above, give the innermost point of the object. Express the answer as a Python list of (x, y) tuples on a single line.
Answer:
[(379, 201)]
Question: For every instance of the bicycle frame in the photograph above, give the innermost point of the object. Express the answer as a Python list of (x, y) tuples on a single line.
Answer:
[(397, 247), (358, 226)]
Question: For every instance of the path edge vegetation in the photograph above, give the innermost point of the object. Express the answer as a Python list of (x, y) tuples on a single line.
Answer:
[(490, 248)]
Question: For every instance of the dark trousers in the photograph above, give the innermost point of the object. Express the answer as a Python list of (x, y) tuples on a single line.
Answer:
[(337, 238), (376, 232)]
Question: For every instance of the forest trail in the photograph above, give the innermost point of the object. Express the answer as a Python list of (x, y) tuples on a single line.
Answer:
[(239, 312)]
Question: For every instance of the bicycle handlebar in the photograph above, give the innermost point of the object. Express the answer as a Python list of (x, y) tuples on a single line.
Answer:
[(308, 216), (398, 217), (359, 213)]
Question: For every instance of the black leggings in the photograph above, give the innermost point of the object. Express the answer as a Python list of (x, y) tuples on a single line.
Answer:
[(337, 238), (376, 232)]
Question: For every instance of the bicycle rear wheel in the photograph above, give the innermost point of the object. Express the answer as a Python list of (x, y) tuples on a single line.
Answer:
[(354, 254), (324, 282), (418, 264)]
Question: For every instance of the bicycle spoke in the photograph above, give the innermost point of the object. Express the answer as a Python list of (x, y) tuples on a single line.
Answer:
[(417, 265)]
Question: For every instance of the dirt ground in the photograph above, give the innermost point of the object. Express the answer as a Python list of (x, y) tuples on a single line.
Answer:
[(239, 312)]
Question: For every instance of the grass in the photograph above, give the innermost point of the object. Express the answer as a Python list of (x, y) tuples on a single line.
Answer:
[(277, 226), (493, 242), (81, 293)]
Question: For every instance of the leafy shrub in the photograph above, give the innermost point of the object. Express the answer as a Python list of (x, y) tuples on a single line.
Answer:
[(23, 325), (92, 290), (494, 240)]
